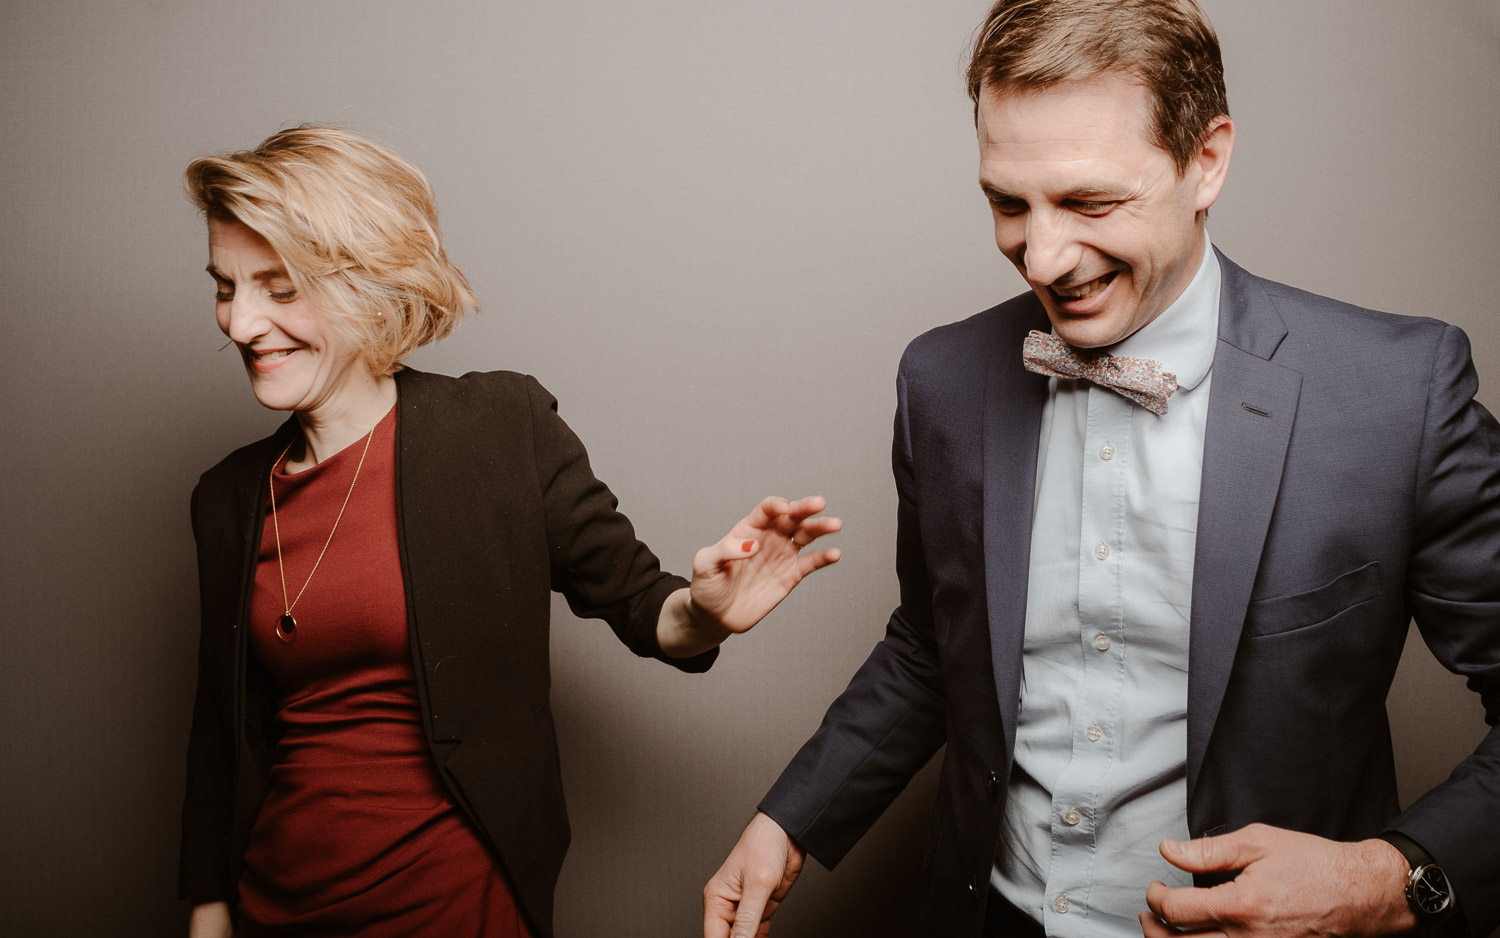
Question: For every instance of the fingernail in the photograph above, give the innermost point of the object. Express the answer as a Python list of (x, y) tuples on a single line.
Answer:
[(746, 546)]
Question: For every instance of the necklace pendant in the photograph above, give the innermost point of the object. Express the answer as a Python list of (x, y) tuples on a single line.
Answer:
[(286, 627)]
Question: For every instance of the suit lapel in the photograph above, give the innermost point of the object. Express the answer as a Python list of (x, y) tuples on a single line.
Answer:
[(1012, 423), (1251, 411)]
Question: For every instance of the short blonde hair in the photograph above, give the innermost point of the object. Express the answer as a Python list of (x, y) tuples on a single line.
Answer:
[(356, 226), (1169, 46)]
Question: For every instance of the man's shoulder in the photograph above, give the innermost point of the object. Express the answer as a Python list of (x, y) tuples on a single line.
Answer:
[(1317, 322), (968, 342)]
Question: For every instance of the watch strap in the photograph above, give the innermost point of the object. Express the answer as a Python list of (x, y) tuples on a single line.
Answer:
[(1420, 861)]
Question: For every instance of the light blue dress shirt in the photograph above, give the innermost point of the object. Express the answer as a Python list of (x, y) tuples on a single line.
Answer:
[(1101, 737)]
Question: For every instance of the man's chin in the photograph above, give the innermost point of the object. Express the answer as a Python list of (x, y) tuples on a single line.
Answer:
[(1093, 332)]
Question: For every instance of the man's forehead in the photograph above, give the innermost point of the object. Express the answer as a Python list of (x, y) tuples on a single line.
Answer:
[(1115, 103), (1073, 135)]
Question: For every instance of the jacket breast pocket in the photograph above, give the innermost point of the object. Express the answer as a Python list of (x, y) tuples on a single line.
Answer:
[(1280, 614)]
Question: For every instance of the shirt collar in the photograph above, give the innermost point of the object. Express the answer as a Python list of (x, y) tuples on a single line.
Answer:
[(1184, 337)]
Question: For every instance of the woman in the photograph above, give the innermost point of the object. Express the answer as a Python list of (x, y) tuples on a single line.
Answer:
[(372, 750)]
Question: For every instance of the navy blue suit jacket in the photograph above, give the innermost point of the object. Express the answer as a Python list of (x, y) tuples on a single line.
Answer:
[(1350, 484)]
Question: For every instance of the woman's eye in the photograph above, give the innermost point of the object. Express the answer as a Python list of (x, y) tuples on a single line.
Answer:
[(286, 297), (223, 296)]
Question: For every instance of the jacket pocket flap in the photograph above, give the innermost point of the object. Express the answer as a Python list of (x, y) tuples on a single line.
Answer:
[(1299, 610)]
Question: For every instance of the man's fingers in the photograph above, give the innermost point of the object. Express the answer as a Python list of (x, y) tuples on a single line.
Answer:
[(718, 912), (1153, 927), (752, 909), (1216, 854), (1193, 908)]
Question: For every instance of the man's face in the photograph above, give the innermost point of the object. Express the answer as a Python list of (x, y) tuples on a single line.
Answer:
[(1092, 213)]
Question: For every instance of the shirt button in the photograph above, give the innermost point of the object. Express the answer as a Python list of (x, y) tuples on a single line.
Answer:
[(993, 785), (1106, 452), (1094, 733), (1061, 905), (1072, 817), (1102, 551), (1101, 642)]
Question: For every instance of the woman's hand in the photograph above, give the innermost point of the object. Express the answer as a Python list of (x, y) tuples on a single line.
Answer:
[(210, 920), (742, 577)]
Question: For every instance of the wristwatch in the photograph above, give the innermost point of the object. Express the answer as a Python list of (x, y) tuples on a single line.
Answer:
[(1428, 892)]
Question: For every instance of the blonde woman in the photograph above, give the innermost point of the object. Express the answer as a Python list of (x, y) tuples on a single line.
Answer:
[(372, 750)]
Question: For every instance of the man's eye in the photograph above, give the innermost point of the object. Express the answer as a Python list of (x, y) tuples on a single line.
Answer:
[(1008, 206), (1094, 208)]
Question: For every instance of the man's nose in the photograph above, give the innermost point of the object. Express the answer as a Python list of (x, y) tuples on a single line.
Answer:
[(1051, 250)]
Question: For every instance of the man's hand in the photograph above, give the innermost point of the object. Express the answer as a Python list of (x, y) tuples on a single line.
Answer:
[(739, 900), (1289, 885)]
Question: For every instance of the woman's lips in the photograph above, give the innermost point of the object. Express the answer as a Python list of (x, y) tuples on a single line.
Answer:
[(268, 359)]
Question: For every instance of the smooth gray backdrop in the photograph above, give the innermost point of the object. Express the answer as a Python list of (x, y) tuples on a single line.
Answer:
[(709, 227)]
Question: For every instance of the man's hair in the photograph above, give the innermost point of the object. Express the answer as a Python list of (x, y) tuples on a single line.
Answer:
[(356, 227), (1169, 46)]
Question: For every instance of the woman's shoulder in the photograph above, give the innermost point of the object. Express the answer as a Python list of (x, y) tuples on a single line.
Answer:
[(497, 392), (252, 457), (231, 477)]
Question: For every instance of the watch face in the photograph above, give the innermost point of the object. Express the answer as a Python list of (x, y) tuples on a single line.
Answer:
[(1430, 891)]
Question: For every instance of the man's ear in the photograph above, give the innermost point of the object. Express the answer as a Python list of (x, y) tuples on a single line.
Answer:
[(1212, 161)]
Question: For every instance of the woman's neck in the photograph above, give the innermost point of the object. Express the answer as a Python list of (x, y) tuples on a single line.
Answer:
[(337, 423)]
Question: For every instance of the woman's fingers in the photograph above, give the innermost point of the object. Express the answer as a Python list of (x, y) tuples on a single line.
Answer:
[(729, 547), (816, 560), (775, 511), (813, 528)]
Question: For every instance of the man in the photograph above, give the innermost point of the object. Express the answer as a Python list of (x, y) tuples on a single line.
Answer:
[(1162, 528)]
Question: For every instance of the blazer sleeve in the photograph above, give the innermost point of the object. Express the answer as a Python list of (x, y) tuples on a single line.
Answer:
[(892, 717), (597, 562), (207, 806), (1453, 592)]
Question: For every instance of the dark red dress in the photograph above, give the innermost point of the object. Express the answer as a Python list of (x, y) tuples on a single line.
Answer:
[(357, 835)]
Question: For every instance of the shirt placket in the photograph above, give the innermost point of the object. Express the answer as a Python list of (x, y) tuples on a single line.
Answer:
[(1101, 562)]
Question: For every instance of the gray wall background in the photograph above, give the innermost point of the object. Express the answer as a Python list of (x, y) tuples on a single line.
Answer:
[(709, 228)]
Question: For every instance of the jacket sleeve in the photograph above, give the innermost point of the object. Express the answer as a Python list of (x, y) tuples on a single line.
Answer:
[(597, 563), (208, 805), (1453, 592), (891, 718)]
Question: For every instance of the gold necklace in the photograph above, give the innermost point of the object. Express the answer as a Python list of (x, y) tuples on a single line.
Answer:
[(286, 626)]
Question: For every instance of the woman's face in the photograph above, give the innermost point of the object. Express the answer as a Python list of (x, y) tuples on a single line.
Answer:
[(294, 361)]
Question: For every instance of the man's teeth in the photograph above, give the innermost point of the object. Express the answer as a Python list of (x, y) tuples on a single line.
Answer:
[(1085, 290)]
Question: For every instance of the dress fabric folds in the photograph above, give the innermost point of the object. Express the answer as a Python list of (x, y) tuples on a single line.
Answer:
[(357, 835)]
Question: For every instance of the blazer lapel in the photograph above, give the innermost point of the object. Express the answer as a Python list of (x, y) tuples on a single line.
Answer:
[(1012, 423), (1252, 408)]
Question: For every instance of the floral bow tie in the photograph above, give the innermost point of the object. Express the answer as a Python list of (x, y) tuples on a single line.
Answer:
[(1138, 379)]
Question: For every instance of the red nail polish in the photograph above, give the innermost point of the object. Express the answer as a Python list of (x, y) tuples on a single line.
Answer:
[(746, 546)]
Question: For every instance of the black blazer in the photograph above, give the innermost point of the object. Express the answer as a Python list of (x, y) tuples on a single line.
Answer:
[(1350, 484), (495, 507)]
